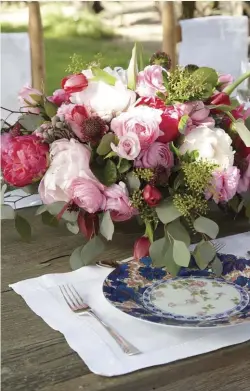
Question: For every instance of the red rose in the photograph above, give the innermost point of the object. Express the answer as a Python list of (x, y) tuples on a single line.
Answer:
[(74, 83), (141, 247), (151, 195), (170, 118), (24, 159)]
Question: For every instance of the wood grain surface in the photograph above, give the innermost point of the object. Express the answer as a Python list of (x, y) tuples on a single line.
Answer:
[(37, 358)]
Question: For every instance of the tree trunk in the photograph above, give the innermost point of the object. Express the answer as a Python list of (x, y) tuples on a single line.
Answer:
[(188, 9), (36, 46), (169, 30)]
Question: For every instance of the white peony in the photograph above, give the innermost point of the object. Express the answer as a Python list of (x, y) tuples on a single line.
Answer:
[(106, 100), (213, 145)]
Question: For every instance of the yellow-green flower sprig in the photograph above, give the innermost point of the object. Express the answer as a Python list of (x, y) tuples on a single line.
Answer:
[(147, 214), (145, 174), (77, 63)]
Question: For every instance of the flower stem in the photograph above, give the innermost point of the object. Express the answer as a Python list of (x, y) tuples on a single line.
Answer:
[(228, 90)]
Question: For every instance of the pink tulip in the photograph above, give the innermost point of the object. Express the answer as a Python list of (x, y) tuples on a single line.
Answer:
[(141, 247), (74, 83)]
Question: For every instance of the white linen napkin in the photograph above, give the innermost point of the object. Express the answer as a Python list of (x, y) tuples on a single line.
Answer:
[(159, 344)]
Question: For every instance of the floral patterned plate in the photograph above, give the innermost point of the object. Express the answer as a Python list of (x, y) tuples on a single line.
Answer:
[(196, 298)]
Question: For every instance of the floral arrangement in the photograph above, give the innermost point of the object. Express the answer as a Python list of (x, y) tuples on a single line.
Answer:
[(148, 142)]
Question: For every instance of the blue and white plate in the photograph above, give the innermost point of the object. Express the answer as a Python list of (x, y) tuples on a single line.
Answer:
[(196, 298)]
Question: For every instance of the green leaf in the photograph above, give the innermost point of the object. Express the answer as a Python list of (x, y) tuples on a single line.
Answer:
[(41, 209), (107, 226), (7, 212), (133, 182), (91, 250), (247, 211), (37, 98), (110, 154), (30, 122), (204, 253), (178, 232), (167, 212), (31, 189), (223, 108), (157, 251), (50, 108), (75, 259), (110, 173), (124, 166), (140, 57), (243, 132), (55, 208), (169, 261), (206, 76), (49, 219), (217, 266), (23, 227), (206, 226), (104, 146), (132, 69), (181, 253), (101, 75), (182, 125), (73, 228), (149, 231)]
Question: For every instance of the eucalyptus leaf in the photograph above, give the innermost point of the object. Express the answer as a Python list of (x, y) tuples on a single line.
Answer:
[(109, 173), (182, 125), (107, 226), (206, 226), (7, 212), (217, 266), (243, 132), (41, 209), (149, 231), (49, 219), (91, 250), (169, 261), (181, 253), (178, 232), (75, 259), (104, 147), (73, 228), (157, 252), (167, 212), (206, 76), (101, 75), (30, 121), (204, 253), (31, 189), (124, 166), (132, 69), (50, 108), (133, 182), (23, 227)]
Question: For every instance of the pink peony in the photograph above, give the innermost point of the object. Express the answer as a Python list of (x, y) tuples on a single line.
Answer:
[(244, 181), (158, 154), (24, 159), (59, 97), (69, 160), (223, 185), (128, 147), (150, 80), (74, 83), (87, 195), (118, 202), (142, 120), (74, 115), (224, 81), (26, 100), (198, 115)]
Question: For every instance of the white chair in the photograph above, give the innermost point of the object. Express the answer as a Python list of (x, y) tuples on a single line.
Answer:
[(220, 42)]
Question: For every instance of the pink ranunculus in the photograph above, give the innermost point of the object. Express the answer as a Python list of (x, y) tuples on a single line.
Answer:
[(118, 202), (244, 181), (223, 185), (158, 154), (150, 80), (24, 159), (224, 81), (69, 160), (74, 115), (198, 115), (74, 83), (128, 147), (59, 97), (26, 100), (87, 195), (142, 120)]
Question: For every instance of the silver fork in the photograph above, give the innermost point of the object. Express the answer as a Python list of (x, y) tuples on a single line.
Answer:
[(218, 246), (77, 305)]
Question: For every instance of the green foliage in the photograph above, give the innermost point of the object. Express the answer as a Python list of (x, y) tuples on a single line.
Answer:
[(183, 124), (203, 254), (78, 63), (23, 227), (167, 211), (101, 75), (243, 132), (104, 147), (49, 219), (86, 255), (133, 68), (146, 174), (147, 214), (206, 226), (107, 226)]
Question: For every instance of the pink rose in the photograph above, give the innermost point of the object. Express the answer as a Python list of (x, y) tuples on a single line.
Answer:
[(244, 181), (87, 195), (224, 81), (198, 113), (118, 202), (158, 154), (150, 80), (75, 116), (128, 147), (26, 100), (59, 97), (74, 83), (223, 185), (69, 160), (142, 120), (24, 159)]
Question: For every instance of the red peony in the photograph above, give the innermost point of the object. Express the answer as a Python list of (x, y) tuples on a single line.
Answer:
[(240, 147), (170, 118), (74, 83), (24, 159), (152, 196), (141, 247)]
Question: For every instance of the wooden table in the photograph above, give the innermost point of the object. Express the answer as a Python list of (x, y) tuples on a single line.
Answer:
[(35, 357)]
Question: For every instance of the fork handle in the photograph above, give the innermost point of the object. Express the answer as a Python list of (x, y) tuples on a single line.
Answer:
[(126, 346)]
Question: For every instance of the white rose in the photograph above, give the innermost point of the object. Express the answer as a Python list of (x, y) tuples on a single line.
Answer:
[(213, 145)]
